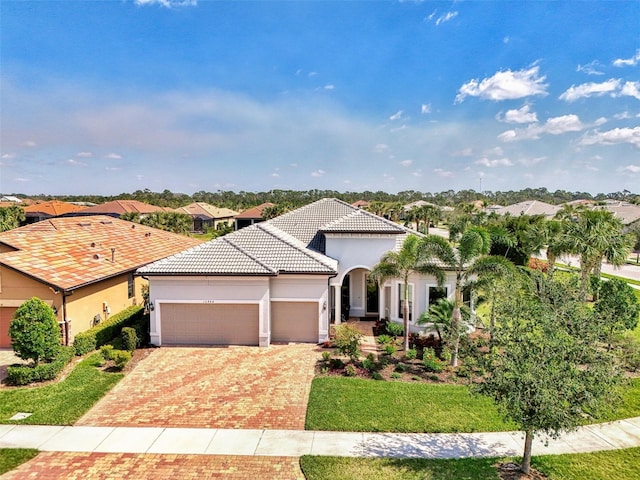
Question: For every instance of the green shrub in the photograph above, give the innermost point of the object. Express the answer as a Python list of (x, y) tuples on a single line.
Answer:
[(445, 355), (336, 363), (348, 340), (121, 358), (369, 363), (411, 354), (377, 376), (129, 338), (350, 371), (26, 374), (401, 367), (395, 329), (628, 350), (384, 339), (105, 332), (431, 362), (326, 356), (34, 331), (107, 352), (396, 375), (389, 349)]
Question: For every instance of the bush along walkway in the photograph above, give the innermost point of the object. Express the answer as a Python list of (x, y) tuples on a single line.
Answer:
[(606, 436)]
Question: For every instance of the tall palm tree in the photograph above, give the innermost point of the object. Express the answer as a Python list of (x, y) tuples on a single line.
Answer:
[(402, 264), (596, 235), (428, 214), (467, 260)]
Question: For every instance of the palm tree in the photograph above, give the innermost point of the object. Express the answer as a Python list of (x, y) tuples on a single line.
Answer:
[(468, 259), (440, 314), (596, 235), (402, 264), (428, 214)]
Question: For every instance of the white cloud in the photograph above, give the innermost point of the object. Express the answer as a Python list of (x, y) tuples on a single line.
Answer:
[(573, 93), (590, 68), (75, 163), (396, 116), (406, 163), (446, 17), (29, 143), (293, 165), (113, 156), (381, 148), (443, 173), (632, 169), (318, 173), (631, 89), (329, 87), (522, 115), (553, 126), (501, 162), (417, 173), (528, 162), (112, 169), (465, 152), (622, 116), (612, 137), (8, 156), (628, 62), (275, 174), (168, 3), (505, 85), (84, 154), (425, 108)]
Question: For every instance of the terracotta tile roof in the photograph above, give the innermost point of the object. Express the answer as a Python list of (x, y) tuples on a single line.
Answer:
[(69, 252), (118, 207), (206, 211), (53, 208), (255, 212)]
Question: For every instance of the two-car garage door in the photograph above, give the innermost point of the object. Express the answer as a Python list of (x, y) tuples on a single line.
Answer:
[(236, 324), (209, 324)]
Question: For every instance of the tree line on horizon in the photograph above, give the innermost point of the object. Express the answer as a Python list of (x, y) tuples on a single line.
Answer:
[(243, 200)]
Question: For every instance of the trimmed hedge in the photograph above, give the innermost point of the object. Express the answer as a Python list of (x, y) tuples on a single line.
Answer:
[(104, 332), (26, 374)]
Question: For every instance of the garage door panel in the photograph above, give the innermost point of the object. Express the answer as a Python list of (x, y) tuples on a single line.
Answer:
[(294, 322), (6, 315), (209, 324)]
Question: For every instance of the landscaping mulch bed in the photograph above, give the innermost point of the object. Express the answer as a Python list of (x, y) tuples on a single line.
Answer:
[(511, 471)]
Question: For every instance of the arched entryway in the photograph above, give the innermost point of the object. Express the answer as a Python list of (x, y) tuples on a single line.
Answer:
[(357, 296)]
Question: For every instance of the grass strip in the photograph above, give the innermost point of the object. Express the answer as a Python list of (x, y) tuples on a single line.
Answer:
[(60, 403), (353, 404), (607, 465), (359, 405), (10, 458)]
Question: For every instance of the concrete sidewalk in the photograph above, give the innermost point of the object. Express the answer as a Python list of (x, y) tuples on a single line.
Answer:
[(294, 443)]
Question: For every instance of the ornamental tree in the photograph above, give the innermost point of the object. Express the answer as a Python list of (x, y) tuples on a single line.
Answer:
[(617, 309), (34, 331), (548, 371)]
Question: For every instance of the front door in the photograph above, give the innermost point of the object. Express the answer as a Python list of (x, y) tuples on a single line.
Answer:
[(373, 300)]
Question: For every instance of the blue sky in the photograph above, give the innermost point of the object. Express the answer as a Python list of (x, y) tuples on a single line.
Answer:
[(104, 97)]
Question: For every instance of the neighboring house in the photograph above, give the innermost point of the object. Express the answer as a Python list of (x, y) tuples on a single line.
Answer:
[(117, 208), (207, 216), (10, 198), (529, 207), (361, 204), (628, 213), (54, 208), (251, 216), (82, 267), (283, 280)]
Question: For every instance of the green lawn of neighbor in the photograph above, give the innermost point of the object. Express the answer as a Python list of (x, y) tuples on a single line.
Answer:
[(10, 458)]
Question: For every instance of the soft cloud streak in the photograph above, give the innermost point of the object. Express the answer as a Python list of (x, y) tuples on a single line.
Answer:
[(505, 85)]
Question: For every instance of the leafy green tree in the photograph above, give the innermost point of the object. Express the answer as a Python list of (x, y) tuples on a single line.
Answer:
[(548, 371), (402, 264), (440, 314), (11, 217), (170, 221), (470, 258), (34, 331), (617, 308), (428, 214)]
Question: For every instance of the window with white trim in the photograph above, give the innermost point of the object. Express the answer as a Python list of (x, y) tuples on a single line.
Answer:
[(435, 293)]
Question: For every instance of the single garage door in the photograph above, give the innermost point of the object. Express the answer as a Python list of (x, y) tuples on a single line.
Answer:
[(6, 314), (209, 324), (294, 322)]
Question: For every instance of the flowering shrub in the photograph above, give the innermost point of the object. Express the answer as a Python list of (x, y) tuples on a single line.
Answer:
[(538, 264)]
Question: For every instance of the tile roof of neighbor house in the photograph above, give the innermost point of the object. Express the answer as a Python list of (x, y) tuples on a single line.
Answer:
[(53, 208), (290, 243), (118, 207), (206, 211), (69, 252), (361, 204), (255, 212), (529, 207), (628, 213)]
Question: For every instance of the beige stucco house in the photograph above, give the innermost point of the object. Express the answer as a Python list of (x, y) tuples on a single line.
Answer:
[(82, 266)]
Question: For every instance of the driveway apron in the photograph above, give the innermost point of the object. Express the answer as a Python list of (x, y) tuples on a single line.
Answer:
[(230, 387), (109, 466)]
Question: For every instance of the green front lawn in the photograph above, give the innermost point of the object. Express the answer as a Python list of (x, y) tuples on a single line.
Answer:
[(60, 403), (10, 458), (353, 404), (610, 465), (358, 405)]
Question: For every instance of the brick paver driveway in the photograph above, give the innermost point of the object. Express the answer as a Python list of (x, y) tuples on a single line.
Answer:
[(234, 387), (108, 466), (7, 357)]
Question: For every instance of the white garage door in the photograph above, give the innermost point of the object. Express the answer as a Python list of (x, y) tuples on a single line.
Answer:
[(294, 322), (209, 324)]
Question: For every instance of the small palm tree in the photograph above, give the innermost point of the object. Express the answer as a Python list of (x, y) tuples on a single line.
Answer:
[(402, 264), (440, 314), (470, 258)]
